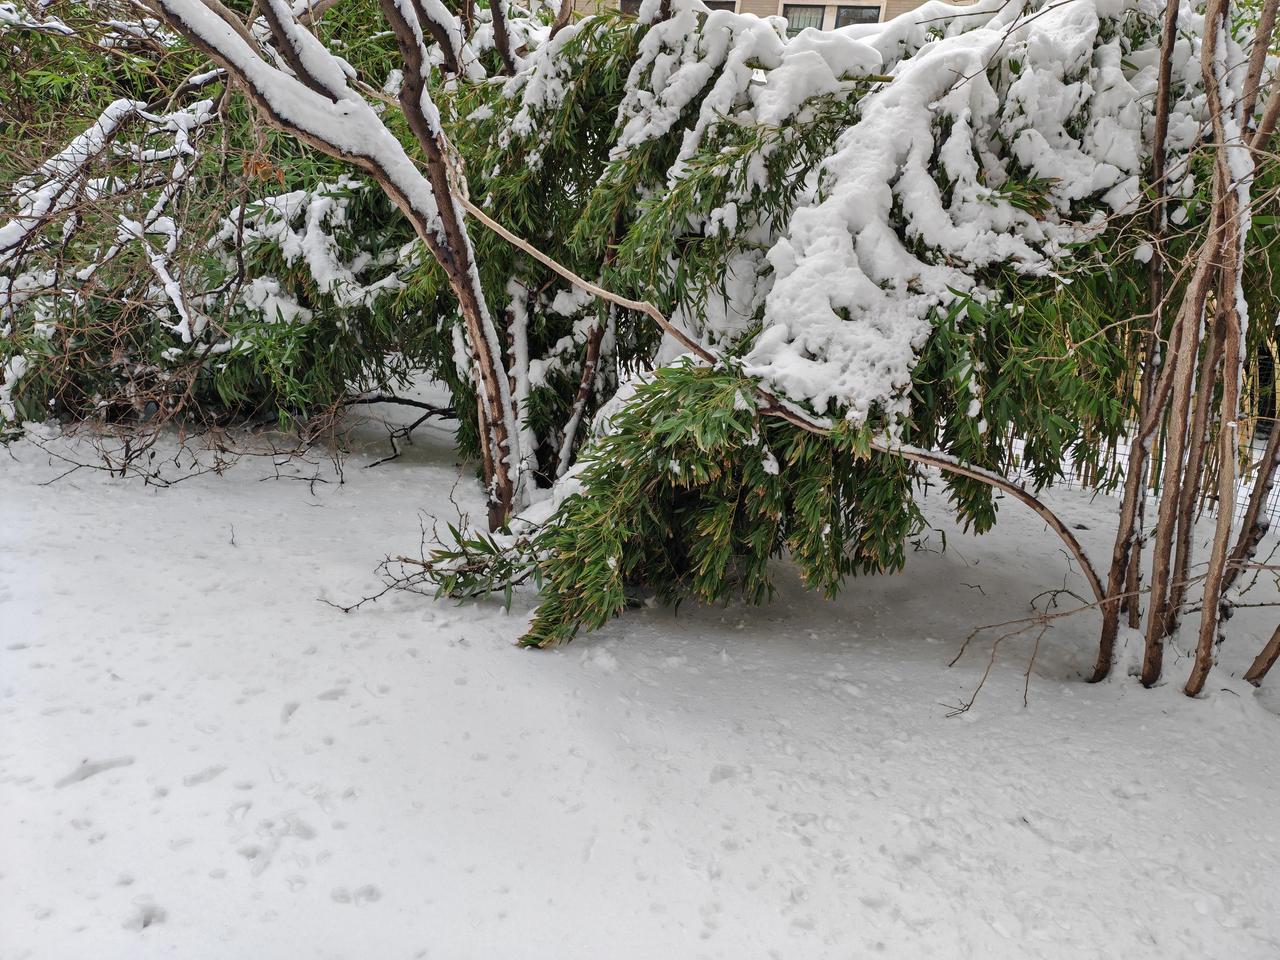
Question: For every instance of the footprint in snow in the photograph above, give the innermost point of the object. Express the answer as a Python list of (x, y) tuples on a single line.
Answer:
[(723, 771), (204, 776), (147, 915), (90, 768), (601, 659), (366, 894)]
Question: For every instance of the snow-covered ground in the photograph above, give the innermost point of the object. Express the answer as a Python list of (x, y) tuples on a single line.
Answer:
[(200, 760)]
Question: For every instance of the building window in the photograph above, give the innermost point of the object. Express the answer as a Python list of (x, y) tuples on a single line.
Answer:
[(730, 5), (848, 16), (802, 17)]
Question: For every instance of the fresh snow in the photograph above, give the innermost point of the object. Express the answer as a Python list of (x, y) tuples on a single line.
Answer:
[(851, 303), (917, 201), (201, 760)]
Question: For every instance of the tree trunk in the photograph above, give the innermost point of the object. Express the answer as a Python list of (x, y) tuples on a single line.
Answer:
[(1196, 470), (1189, 319), (1265, 660), (1124, 577), (1255, 523), (497, 414), (1228, 197)]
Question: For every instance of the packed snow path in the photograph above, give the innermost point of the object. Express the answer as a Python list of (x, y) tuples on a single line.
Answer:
[(199, 760)]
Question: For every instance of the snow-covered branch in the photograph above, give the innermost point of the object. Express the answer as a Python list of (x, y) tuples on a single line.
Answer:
[(313, 100)]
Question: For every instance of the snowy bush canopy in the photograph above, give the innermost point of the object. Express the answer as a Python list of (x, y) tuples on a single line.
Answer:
[(977, 140), (923, 194), (931, 234)]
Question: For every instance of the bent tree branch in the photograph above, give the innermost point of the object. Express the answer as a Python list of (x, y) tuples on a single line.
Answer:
[(772, 405), (315, 104)]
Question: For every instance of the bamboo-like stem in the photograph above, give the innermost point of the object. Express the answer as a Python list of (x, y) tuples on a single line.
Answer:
[(1196, 469), (1125, 574), (1189, 319), (1265, 660), (1229, 326), (1258, 59), (502, 36), (1266, 126), (1131, 606), (586, 385), (1255, 523)]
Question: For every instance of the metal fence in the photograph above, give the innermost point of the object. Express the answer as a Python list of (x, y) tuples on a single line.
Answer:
[(1074, 478)]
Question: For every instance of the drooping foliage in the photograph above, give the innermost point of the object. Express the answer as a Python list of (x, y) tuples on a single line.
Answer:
[(932, 230)]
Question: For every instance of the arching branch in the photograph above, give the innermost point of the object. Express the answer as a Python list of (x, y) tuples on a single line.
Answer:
[(773, 405)]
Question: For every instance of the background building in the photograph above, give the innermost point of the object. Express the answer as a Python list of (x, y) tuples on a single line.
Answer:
[(823, 16)]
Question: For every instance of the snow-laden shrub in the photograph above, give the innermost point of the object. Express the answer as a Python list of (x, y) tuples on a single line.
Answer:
[(930, 231), (190, 263)]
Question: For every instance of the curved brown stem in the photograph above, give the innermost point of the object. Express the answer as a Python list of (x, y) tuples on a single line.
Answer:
[(562, 17), (1017, 491), (773, 405)]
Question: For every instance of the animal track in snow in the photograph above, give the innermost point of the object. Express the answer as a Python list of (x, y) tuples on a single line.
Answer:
[(723, 771), (204, 776), (148, 914), (366, 894), (91, 768)]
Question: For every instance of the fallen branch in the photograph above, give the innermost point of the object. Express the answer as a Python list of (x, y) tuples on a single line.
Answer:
[(431, 408)]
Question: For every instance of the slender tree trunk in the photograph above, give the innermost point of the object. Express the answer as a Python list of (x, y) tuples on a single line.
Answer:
[(1196, 470), (1189, 318), (1210, 612), (1235, 212), (1265, 660), (1132, 605), (1258, 60), (1125, 575), (497, 413), (1255, 523), (1258, 141), (585, 387)]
